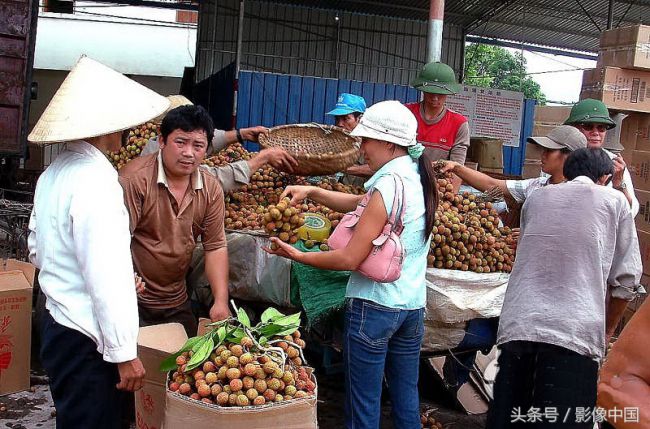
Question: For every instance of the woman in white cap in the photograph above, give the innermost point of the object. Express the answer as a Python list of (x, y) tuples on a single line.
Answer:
[(383, 321), (80, 241)]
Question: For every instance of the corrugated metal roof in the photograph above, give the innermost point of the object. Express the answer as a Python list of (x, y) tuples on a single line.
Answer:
[(566, 24)]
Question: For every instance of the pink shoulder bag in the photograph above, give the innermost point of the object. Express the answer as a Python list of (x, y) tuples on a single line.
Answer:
[(384, 263)]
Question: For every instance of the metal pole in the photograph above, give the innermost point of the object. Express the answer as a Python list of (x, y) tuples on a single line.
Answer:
[(610, 15), (240, 36), (434, 36)]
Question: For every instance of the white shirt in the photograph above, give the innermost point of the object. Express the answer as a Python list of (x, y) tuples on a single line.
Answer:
[(80, 241), (521, 189), (627, 179), (566, 258)]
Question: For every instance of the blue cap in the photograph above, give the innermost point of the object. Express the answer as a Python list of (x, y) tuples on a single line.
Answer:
[(348, 103)]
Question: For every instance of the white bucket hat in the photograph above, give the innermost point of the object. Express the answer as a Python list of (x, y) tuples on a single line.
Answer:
[(93, 101), (389, 121), (174, 102)]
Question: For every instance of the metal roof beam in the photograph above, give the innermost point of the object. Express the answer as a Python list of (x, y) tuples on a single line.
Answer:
[(551, 29), (529, 47), (494, 11), (589, 16), (152, 3)]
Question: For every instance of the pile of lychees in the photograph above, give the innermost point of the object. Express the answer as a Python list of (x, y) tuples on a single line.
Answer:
[(236, 364)]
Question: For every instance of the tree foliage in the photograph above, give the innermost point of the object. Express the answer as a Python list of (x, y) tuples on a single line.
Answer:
[(495, 67)]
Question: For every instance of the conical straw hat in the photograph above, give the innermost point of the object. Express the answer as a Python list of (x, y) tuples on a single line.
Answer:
[(175, 101), (95, 100)]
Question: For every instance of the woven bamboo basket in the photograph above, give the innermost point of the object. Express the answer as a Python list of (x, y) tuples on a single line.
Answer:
[(319, 149)]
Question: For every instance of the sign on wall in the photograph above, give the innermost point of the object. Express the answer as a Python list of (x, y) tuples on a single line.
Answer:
[(491, 112)]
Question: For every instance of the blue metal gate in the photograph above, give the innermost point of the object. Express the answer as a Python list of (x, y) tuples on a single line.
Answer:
[(274, 99)]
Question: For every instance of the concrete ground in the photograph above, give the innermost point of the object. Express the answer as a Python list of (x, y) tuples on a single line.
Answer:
[(33, 409)]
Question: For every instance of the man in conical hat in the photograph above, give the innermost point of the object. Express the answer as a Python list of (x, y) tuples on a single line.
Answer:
[(80, 241)]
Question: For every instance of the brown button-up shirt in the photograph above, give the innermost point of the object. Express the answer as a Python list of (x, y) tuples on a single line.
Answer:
[(164, 234)]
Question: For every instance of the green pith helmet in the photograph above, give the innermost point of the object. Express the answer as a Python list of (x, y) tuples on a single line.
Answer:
[(436, 78), (590, 111)]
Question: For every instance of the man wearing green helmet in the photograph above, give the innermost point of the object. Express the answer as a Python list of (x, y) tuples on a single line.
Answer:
[(440, 129), (591, 117)]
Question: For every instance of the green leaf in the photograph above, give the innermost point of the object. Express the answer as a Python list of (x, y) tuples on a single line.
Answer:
[(221, 334), (287, 331), (243, 318), (272, 330), (169, 363), (201, 354), (235, 335), (292, 320), (270, 315), (263, 340)]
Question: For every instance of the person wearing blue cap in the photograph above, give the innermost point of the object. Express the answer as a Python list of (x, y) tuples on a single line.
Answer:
[(348, 110), (347, 114)]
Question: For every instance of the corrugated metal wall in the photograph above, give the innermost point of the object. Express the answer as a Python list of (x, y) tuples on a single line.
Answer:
[(273, 99), (314, 42)]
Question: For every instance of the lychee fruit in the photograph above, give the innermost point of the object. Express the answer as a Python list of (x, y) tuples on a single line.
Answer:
[(204, 390), (263, 359), (278, 373), (220, 349), (292, 352), (209, 367), (252, 394), (199, 375), (207, 400), (250, 369), (211, 378), (232, 399), (300, 394), (310, 385), (279, 398), (216, 389), (195, 396), (222, 398), (269, 395), (232, 362), (297, 361), (185, 389), (221, 375), (288, 378), (260, 386), (227, 389), (233, 373), (270, 367), (290, 390), (173, 386), (283, 345), (242, 400), (236, 384), (246, 342), (301, 384), (181, 360), (273, 384), (259, 400), (224, 355), (237, 350), (246, 359), (296, 334), (260, 374)]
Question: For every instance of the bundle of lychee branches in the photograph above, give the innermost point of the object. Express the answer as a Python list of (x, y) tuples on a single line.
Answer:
[(237, 364)]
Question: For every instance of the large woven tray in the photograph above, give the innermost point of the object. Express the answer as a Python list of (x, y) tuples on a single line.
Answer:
[(319, 149)]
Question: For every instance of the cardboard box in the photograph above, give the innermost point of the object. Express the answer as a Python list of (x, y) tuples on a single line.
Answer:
[(551, 115), (627, 47), (644, 247), (532, 168), (471, 165), (621, 89), (155, 343), (16, 282), (182, 412), (643, 218), (639, 166), (487, 151), (541, 130), (534, 151)]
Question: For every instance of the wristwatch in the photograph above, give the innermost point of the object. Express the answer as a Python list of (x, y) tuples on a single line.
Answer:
[(622, 187)]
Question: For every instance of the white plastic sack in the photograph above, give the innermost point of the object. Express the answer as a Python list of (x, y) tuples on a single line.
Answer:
[(458, 296), (254, 274)]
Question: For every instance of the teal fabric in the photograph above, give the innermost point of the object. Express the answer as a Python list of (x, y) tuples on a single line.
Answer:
[(409, 291)]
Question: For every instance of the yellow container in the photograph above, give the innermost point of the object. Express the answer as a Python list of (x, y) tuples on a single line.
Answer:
[(317, 227)]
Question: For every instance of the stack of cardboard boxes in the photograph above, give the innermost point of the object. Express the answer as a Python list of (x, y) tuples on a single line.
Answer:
[(622, 81), (546, 118), (485, 154)]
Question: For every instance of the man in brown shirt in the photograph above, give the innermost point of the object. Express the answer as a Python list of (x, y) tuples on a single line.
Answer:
[(171, 203)]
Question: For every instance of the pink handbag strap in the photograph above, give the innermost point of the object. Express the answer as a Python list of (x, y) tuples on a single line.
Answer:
[(395, 219)]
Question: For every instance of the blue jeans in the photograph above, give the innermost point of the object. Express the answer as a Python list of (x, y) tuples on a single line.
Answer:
[(381, 340)]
